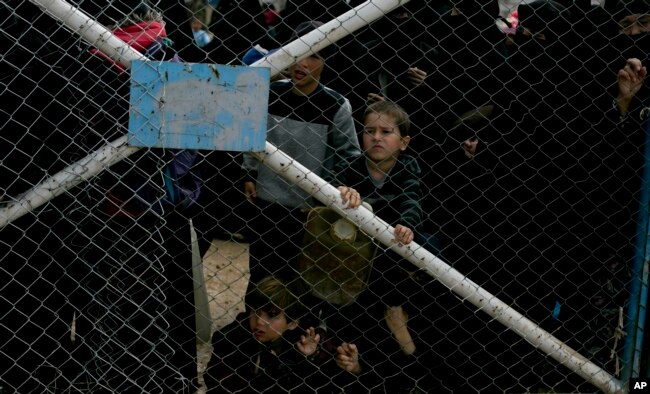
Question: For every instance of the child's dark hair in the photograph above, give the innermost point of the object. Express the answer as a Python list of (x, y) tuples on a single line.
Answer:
[(390, 108), (274, 296)]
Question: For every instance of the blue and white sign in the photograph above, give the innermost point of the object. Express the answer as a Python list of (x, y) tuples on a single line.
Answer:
[(198, 106)]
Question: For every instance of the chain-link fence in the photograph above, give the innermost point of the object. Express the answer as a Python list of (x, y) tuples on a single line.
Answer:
[(499, 150)]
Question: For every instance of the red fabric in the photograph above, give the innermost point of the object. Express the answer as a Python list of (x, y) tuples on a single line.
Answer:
[(139, 36), (117, 206), (271, 17)]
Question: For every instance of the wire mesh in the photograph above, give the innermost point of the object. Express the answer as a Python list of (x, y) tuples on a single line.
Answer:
[(522, 168)]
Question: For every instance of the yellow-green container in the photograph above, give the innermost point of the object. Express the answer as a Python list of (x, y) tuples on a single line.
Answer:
[(336, 257)]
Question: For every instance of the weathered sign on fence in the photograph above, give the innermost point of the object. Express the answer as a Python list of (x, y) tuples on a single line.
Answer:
[(198, 106)]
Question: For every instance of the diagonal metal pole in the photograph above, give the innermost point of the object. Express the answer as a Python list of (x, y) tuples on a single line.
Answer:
[(96, 34), (294, 172), (327, 194)]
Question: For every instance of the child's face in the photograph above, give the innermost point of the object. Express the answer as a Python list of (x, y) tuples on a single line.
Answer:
[(267, 328), (306, 73), (381, 138)]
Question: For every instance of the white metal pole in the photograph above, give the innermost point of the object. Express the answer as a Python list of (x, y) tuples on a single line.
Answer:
[(92, 31), (327, 34), (294, 172), (66, 179), (118, 50)]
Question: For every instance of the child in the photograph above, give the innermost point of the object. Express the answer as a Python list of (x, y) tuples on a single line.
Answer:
[(312, 124), (389, 180), (386, 178), (265, 349)]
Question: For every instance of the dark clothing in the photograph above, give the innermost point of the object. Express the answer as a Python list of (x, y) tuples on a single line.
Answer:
[(316, 130), (469, 66), (237, 26), (139, 323), (395, 199), (278, 232), (385, 368), (133, 243), (240, 24), (240, 363), (388, 50), (535, 166), (36, 269), (544, 218)]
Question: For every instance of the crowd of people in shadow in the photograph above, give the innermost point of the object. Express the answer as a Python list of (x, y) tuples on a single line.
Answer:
[(516, 157)]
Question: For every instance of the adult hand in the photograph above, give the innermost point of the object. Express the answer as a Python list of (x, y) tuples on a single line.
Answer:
[(630, 79), (416, 76), (250, 190), (347, 358), (350, 196), (308, 343), (373, 98)]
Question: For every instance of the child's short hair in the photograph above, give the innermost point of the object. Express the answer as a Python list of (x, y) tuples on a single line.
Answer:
[(275, 296), (390, 108)]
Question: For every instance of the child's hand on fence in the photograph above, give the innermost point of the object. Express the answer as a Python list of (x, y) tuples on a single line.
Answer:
[(403, 235), (308, 343), (347, 358), (350, 196)]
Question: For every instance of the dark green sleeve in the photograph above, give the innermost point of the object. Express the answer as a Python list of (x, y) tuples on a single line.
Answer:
[(409, 200)]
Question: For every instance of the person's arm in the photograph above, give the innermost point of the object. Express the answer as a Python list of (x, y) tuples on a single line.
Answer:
[(409, 200), (350, 196), (305, 362), (345, 143), (396, 321), (403, 235)]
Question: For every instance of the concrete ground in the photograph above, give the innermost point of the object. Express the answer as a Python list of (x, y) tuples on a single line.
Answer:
[(225, 268)]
